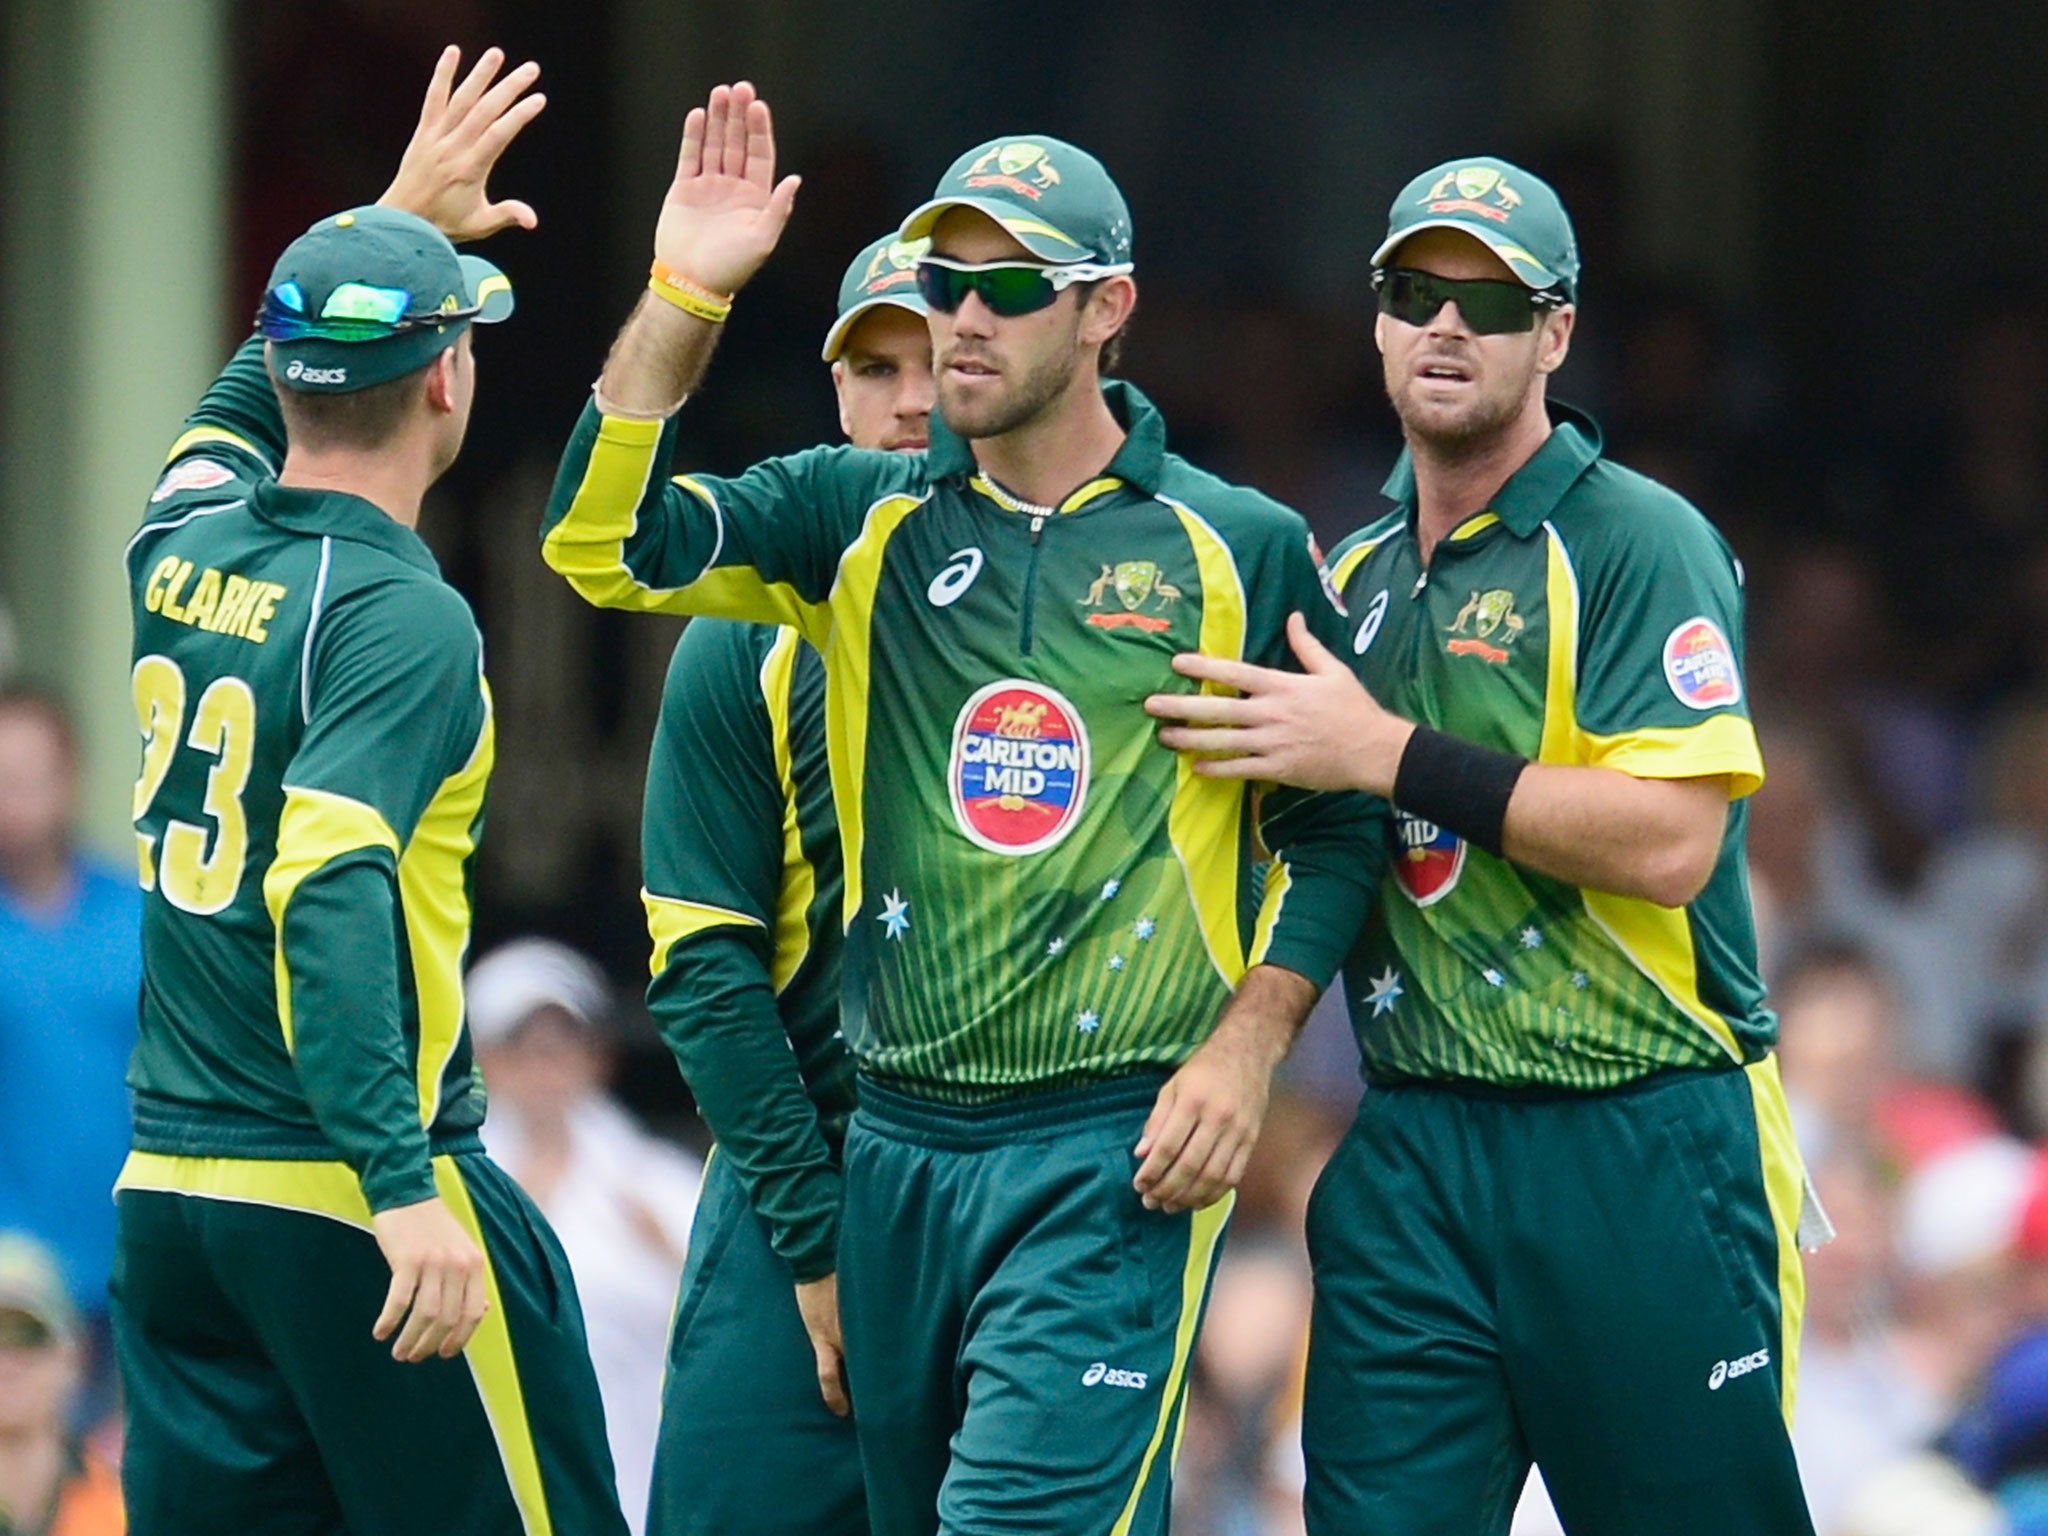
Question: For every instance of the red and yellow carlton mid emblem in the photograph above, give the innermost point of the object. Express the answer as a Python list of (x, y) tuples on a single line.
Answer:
[(1019, 769), (1427, 859), (1699, 663)]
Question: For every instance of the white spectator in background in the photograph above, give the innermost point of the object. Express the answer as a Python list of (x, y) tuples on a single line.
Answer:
[(620, 1200)]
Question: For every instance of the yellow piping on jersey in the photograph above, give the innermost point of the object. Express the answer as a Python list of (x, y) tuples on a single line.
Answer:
[(200, 435), (1206, 815), (588, 545), (433, 892), (1279, 880), (315, 828), (670, 921), (1352, 559), (1656, 940), (1472, 527), (799, 885), (849, 665), (1718, 745)]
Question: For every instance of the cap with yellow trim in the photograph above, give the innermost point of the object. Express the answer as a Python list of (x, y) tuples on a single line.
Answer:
[(884, 273), (1514, 214), (369, 295), (1058, 201)]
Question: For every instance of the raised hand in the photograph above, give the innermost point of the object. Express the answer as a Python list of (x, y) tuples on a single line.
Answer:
[(462, 131), (725, 210)]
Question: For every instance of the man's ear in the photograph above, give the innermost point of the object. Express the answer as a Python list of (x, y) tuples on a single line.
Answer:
[(441, 380), (1557, 338), (1108, 309)]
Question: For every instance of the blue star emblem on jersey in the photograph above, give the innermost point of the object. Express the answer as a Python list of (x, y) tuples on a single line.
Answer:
[(1532, 937), (1144, 928), (895, 918), (1056, 948), (1386, 991), (1110, 887), (1087, 1021), (1493, 977), (1116, 962), (1581, 980)]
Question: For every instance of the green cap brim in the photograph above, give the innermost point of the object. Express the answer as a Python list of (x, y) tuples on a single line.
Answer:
[(1520, 262), (835, 339), (488, 286), (1035, 235)]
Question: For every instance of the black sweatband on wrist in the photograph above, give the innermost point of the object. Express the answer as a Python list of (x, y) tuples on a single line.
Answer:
[(1457, 784)]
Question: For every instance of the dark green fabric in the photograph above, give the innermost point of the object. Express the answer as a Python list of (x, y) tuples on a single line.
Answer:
[(747, 1444), (1011, 1311), (978, 970), (1569, 1279), (364, 677), (770, 1071), (259, 1404)]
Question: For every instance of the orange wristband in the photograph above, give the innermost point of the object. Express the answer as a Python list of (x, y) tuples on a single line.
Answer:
[(692, 298)]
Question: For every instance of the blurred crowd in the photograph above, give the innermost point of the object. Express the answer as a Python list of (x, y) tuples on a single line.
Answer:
[(1898, 857)]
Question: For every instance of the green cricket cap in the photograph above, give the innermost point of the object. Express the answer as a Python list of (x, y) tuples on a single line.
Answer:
[(1055, 199), (884, 273), (363, 267), (1514, 214), (31, 1285)]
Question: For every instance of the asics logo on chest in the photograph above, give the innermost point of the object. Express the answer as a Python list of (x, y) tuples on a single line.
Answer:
[(953, 580)]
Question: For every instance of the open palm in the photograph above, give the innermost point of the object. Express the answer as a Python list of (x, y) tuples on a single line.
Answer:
[(725, 210), (462, 131)]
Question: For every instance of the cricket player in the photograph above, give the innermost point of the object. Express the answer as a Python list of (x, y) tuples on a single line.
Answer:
[(332, 1312), (1064, 987), (1565, 1226), (744, 886)]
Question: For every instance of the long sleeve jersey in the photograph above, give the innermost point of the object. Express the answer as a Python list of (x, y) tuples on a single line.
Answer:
[(743, 891), (316, 742), (1036, 892)]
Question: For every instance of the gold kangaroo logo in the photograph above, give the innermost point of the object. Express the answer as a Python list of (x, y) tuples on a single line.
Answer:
[(1099, 588)]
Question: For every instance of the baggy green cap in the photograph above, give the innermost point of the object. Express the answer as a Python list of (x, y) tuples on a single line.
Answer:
[(884, 273), (1057, 200), (1516, 215), (384, 249)]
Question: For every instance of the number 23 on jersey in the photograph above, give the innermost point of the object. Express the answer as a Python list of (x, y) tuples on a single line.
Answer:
[(223, 727)]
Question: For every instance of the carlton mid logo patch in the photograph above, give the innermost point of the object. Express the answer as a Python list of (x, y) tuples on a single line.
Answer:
[(1427, 859), (1019, 771), (1699, 663)]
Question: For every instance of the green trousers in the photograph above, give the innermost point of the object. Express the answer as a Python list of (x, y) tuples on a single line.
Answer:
[(1018, 1326), (1606, 1284), (259, 1404), (747, 1444)]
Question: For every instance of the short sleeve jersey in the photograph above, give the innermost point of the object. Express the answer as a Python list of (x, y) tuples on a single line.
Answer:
[(1589, 616)]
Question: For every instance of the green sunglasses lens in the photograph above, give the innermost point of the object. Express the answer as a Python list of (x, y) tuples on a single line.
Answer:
[(1008, 291), (1489, 307)]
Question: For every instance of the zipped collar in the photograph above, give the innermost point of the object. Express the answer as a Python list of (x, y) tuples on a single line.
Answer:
[(1533, 491), (1140, 461), (323, 513)]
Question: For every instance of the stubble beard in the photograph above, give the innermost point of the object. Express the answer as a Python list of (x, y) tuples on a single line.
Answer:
[(1017, 406), (1458, 435)]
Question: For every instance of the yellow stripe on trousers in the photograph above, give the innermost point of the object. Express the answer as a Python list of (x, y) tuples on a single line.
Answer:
[(1204, 1234)]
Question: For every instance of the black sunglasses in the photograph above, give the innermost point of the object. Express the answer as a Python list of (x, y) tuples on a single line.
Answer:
[(1490, 306)]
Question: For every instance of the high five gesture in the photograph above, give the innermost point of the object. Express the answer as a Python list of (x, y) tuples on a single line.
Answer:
[(462, 131), (725, 210)]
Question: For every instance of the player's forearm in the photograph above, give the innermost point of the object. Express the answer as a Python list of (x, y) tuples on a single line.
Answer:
[(340, 985), (715, 1007), (657, 361), (1265, 1013), (1605, 830)]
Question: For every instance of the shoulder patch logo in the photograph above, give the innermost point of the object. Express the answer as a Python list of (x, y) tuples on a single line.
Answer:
[(1019, 770), (1369, 626), (961, 567), (191, 475), (1699, 663)]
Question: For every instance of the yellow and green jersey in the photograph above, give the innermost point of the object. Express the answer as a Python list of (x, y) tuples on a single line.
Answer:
[(316, 742), (741, 855), (1589, 617), (1036, 892)]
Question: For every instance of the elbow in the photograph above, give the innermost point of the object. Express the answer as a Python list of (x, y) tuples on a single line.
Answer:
[(1678, 871)]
